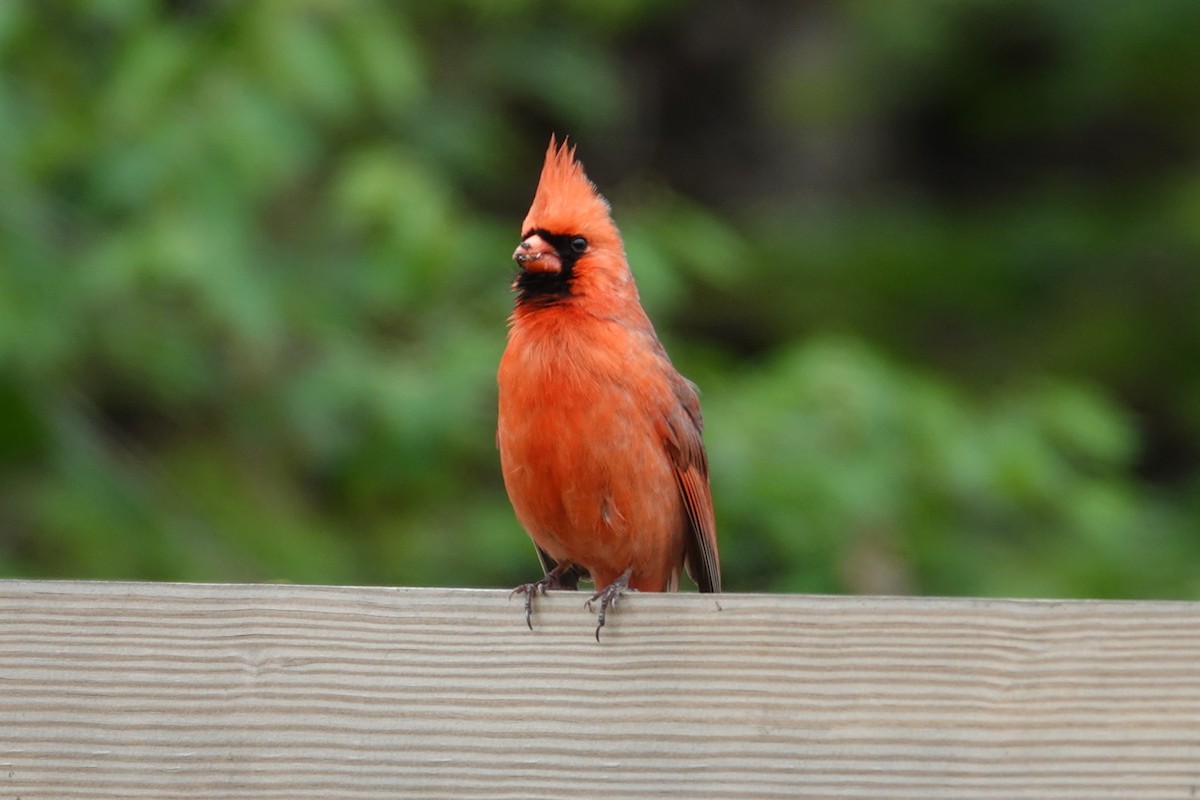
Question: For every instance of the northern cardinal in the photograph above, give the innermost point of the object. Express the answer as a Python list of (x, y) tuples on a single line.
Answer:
[(599, 435)]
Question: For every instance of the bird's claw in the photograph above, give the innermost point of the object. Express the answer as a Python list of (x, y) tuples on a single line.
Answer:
[(608, 597), (552, 580), (529, 590)]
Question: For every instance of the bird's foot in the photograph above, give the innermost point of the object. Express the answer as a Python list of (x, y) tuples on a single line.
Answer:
[(608, 597), (552, 580)]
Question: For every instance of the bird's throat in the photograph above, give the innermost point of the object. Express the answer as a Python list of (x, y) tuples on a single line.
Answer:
[(538, 289)]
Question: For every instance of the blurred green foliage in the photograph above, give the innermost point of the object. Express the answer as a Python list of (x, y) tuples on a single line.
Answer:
[(933, 265)]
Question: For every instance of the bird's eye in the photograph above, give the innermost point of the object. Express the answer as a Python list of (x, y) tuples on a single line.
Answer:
[(579, 244)]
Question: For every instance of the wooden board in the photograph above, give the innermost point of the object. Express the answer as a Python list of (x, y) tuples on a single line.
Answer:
[(121, 690)]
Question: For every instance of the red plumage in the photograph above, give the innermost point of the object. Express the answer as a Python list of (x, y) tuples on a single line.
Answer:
[(599, 435)]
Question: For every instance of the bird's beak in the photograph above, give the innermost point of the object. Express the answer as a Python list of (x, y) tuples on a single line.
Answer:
[(536, 255)]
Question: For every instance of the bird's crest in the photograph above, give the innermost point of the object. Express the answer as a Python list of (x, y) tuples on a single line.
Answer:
[(566, 202)]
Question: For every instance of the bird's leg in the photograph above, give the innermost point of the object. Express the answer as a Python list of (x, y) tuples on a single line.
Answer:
[(552, 580), (608, 597)]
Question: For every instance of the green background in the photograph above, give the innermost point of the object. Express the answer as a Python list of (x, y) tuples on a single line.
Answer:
[(934, 266)]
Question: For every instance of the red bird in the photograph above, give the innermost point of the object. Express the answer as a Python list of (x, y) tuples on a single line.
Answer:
[(599, 435)]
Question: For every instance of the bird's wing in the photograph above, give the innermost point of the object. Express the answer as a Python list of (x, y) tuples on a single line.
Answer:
[(684, 426)]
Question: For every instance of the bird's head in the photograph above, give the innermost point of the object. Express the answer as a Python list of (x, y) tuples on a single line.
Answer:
[(570, 246)]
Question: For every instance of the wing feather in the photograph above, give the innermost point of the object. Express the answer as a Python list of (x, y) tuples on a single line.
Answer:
[(685, 445)]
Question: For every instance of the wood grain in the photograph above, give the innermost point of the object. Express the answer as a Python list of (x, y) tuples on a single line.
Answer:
[(116, 690)]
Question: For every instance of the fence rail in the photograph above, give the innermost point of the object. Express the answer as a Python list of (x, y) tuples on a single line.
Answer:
[(134, 690)]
